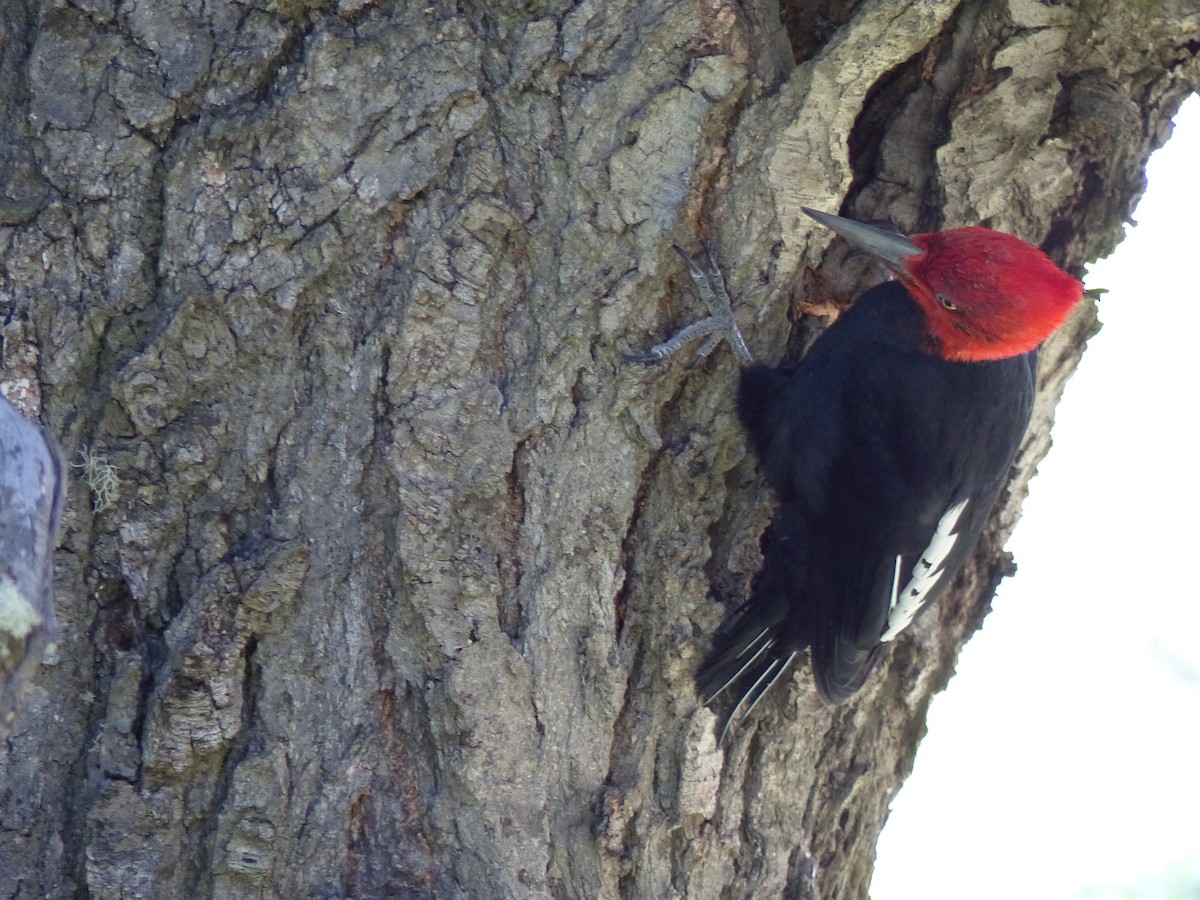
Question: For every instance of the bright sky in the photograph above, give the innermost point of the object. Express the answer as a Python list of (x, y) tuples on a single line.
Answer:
[(1063, 762)]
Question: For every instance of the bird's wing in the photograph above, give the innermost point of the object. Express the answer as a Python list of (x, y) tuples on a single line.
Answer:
[(908, 498)]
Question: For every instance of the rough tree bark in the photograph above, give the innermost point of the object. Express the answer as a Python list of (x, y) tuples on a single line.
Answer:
[(408, 574)]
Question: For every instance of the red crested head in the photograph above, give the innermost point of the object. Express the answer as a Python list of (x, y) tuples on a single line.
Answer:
[(985, 294)]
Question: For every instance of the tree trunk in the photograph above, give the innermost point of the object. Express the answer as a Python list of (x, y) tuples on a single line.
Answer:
[(407, 574)]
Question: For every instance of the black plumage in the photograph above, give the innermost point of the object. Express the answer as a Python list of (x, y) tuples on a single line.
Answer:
[(870, 444)]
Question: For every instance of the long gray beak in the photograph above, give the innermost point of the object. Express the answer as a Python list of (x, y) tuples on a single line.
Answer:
[(892, 248)]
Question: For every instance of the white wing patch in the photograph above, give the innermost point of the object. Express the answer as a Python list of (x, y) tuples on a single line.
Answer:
[(907, 602)]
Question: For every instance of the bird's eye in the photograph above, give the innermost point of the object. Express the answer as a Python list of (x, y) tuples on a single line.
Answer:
[(947, 302)]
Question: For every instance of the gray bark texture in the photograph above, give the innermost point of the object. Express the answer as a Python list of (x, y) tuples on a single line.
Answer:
[(381, 573)]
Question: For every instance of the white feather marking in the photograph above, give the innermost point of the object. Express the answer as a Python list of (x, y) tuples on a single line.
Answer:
[(758, 637), (787, 662), (746, 665), (925, 574), (896, 582), (735, 715)]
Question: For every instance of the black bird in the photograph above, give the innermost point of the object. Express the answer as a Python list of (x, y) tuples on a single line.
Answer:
[(886, 448)]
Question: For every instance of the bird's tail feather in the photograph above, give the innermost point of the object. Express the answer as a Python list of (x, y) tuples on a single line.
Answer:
[(760, 643), (748, 658)]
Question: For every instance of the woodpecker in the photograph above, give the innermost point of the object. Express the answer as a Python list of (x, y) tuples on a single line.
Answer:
[(886, 448)]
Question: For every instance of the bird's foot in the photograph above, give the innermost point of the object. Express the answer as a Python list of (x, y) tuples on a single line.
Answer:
[(719, 325)]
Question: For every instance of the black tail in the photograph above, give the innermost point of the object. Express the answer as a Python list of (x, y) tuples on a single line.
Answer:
[(748, 659), (760, 643)]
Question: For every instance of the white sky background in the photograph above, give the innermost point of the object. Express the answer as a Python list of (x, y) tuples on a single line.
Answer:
[(1063, 762)]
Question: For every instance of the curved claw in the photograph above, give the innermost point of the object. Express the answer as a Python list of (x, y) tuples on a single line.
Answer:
[(651, 357), (718, 326)]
